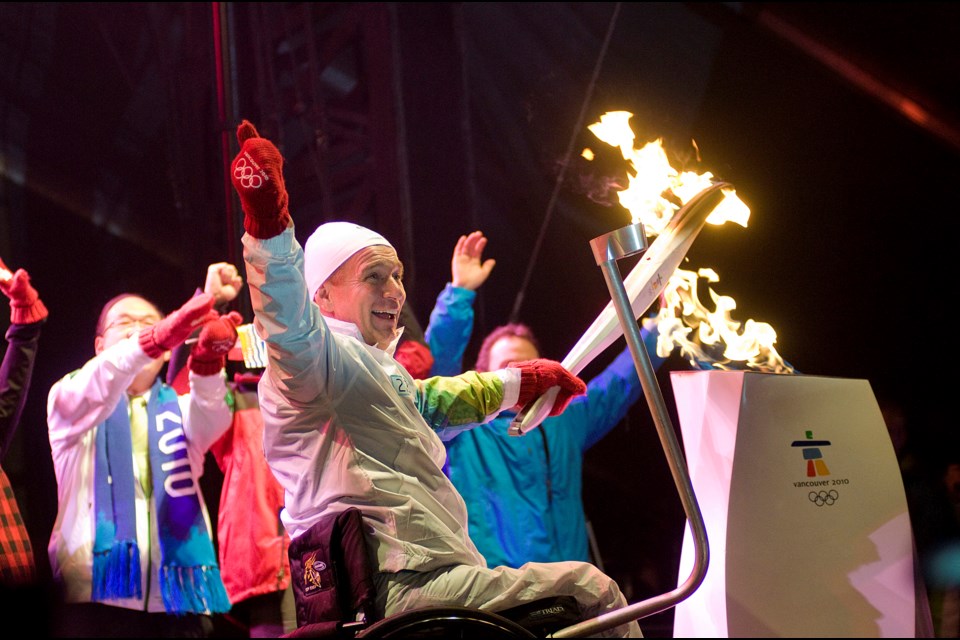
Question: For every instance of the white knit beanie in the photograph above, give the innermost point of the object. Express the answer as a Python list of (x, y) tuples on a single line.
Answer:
[(330, 246)]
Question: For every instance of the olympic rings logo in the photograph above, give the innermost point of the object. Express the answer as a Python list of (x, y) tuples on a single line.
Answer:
[(248, 177), (821, 498)]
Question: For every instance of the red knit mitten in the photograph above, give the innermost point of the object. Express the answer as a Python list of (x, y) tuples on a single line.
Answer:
[(216, 339), (415, 358), (177, 327), (537, 376), (25, 304), (257, 175)]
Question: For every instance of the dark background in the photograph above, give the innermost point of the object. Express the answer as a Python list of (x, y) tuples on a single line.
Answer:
[(837, 124)]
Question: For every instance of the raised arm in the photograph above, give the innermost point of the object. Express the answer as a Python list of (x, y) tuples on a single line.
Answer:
[(451, 321), (284, 316), (209, 413), (223, 282), (83, 399), (611, 393), (27, 314)]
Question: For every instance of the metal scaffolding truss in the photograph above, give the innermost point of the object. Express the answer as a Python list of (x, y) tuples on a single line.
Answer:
[(321, 81)]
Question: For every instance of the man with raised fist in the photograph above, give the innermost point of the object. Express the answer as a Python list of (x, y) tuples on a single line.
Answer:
[(346, 426), (131, 547)]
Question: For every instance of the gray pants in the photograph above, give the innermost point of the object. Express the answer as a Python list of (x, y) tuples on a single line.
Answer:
[(502, 588)]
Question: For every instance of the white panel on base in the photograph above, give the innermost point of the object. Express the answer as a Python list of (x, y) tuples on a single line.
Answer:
[(804, 507)]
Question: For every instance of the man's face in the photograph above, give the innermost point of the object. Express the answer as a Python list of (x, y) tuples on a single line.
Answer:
[(126, 318), (510, 349), (366, 290)]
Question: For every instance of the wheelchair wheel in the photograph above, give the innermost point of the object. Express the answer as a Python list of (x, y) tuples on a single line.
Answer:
[(447, 623)]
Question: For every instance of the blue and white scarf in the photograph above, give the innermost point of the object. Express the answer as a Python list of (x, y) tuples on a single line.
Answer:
[(189, 575)]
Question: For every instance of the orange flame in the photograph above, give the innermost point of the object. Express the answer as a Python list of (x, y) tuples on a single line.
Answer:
[(656, 191)]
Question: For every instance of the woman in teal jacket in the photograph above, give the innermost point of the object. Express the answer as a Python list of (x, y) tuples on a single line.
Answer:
[(523, 493)]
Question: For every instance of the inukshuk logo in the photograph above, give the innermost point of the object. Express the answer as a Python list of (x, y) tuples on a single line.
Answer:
[(813, 455)]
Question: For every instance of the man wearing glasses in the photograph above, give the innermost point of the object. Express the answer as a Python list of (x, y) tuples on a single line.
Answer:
[(131, 547)]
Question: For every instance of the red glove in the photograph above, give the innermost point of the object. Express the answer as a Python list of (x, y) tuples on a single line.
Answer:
[(177, 327), (415, 358), (25, 304), (216, 339), (537, 376), (257, 175)]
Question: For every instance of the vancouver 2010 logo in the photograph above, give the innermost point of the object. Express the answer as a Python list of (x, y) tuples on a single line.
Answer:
[(823, 494)]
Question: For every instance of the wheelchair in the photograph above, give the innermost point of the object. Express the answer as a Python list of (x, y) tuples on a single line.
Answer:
[(447, 622), (334, 594), (440, 623)]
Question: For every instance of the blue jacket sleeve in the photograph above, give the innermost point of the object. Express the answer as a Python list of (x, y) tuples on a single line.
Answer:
[(447, 335), (610, 395)]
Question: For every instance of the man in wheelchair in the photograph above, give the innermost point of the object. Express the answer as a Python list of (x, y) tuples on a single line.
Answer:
[(347, 428)]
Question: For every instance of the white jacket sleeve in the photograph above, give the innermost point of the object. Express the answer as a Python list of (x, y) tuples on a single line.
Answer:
[(84, 398), (206, 416), (299, 348)]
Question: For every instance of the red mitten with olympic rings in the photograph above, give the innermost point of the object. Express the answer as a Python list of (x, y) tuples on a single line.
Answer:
[(257, 176)]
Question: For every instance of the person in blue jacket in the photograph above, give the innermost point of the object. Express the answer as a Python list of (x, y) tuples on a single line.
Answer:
[(523, 493)]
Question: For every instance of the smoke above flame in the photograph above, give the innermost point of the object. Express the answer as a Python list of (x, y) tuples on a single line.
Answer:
[(707, 338)]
